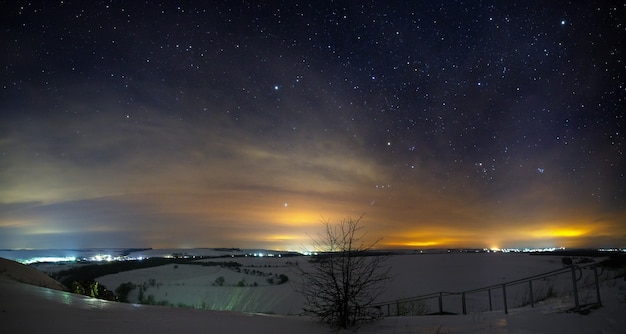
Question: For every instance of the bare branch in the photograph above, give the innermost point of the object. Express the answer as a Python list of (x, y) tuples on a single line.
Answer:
[(341, 282)]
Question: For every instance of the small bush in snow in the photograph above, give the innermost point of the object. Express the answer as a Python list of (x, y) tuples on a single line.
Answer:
[(123, 290), (219, 281)]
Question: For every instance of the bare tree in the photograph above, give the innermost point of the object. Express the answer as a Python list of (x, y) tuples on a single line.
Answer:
[(342, 281)]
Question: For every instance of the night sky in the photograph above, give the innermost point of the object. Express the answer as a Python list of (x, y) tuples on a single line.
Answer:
[(246, 123)]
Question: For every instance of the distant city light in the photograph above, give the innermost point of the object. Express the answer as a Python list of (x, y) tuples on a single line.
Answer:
[(47, 259)]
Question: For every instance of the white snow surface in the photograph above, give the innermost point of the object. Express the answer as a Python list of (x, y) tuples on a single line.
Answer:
[(21, 273), (33, 309)]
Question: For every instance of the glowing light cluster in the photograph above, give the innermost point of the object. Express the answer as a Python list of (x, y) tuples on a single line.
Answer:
[(94, 258), (47, 259), (524, 250)]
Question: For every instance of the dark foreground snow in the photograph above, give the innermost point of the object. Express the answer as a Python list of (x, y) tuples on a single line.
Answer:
[(32, 309)]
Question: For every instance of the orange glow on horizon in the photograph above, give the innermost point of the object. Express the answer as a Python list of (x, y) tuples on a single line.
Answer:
[(282, 237), (301, 219), (560, 232), (411, 244), (539, 234)]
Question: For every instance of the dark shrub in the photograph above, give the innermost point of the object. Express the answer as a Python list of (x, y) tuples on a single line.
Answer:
[(219, 281), (282, 278), (123, 290)]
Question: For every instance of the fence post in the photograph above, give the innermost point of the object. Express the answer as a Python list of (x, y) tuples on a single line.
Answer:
[(397, 307), (490, 305), (595, 275), (463, 302), (440, 303), (574, 285), (532, 298), (506, 307)]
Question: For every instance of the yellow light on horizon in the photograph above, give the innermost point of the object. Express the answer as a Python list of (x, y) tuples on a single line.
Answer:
[(412, 244), (297, 218), (560, 233), (282, 237)]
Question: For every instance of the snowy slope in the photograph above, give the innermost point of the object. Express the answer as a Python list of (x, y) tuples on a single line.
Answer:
[(412, 275), (21, 273), (33, 309)]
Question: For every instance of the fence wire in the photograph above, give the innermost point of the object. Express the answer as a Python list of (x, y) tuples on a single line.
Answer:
[(568, 288)]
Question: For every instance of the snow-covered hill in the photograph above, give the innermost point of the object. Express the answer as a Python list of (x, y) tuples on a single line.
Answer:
[(33, 309), (21, 273)]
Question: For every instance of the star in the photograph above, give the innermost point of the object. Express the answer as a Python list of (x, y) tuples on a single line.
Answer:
[(102, 129)]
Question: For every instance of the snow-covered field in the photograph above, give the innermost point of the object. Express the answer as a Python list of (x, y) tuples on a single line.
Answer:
[(275, 308)]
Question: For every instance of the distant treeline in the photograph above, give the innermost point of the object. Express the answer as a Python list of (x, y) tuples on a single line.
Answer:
[(615, 260), (574, 252), (90, 272)]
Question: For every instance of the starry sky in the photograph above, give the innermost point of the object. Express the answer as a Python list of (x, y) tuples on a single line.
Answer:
[(247, 123)]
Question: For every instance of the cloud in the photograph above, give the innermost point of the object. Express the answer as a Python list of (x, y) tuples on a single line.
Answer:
[(212, 159)]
